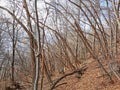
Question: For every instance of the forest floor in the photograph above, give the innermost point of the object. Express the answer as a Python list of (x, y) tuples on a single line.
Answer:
[(92, 79)]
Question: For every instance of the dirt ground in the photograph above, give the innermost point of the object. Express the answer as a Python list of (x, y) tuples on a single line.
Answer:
[(92, 79)]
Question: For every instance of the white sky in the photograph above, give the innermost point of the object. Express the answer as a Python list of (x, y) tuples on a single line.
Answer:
[(3, 2)]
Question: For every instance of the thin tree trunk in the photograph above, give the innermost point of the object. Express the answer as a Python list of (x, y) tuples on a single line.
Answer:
[(13, 44), (38, 51)]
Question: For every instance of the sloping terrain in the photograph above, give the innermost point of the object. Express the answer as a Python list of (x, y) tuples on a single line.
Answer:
[(92, 79)]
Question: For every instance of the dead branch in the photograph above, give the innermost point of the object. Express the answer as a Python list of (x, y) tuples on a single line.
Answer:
[(79, 71), (60, 84)]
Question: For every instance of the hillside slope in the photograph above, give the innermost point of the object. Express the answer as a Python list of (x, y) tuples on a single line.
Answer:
[(92, 79)]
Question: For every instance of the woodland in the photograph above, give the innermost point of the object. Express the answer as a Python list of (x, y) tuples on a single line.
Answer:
[(59, 44)]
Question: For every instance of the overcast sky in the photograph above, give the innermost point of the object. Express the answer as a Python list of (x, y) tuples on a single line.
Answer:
[(3, 2)]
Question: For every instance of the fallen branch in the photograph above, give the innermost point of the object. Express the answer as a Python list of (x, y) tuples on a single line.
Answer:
[(60, 84), (79, 71)]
